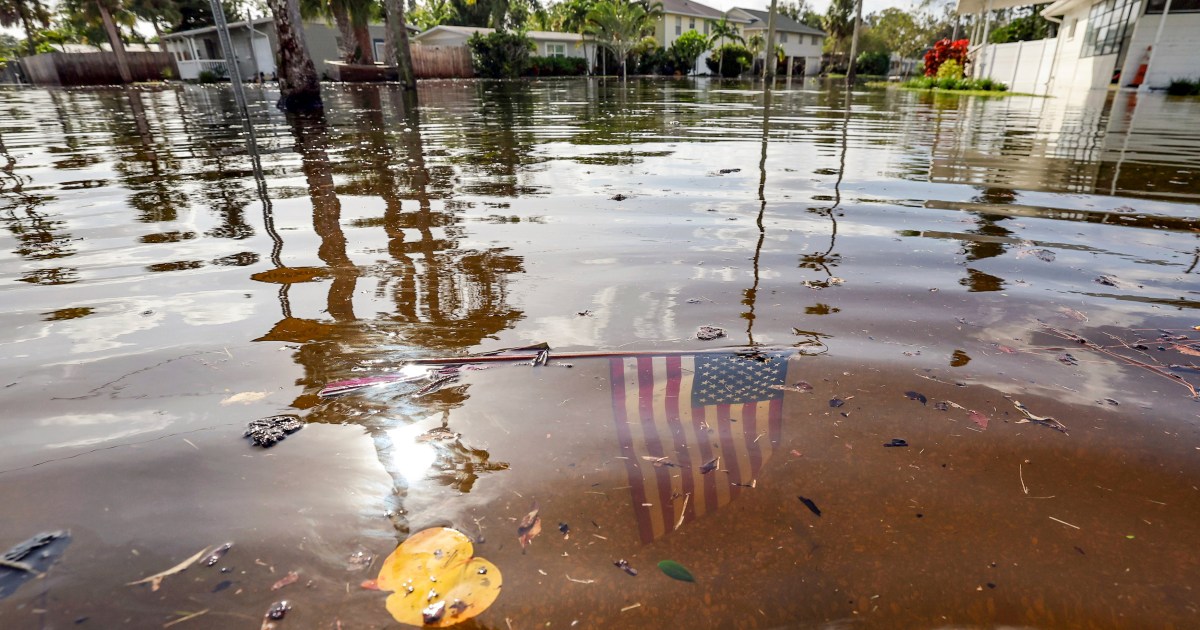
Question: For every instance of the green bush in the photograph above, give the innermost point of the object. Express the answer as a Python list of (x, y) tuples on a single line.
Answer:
[(656, 61), (731, 59), (950, 69), (875, 63), (208, 76), (950, 83), (685, 49), (1184, 87), (556, 67), (500, 54)]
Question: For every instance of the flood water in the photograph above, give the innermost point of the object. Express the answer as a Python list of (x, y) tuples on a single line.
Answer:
[(909, 267)]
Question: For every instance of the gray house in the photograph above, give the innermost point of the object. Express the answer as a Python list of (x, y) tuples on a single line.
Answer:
[(255, 47)]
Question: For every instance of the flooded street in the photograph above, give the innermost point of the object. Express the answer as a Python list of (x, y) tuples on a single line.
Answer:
[(956, 385)]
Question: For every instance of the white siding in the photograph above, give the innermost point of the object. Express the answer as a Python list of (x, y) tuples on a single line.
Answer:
[(1175, 57)]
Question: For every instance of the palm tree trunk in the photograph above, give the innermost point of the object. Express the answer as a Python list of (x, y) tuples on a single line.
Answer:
[(399, 31), (158, 33), (32, 47), (366, 47), (114, 40), (341, 17), (299, 87)]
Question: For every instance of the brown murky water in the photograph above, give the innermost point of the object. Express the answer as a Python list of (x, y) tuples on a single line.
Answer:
[(922, 260)]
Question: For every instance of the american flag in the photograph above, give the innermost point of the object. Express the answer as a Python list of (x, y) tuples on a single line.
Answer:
[(688, 410)]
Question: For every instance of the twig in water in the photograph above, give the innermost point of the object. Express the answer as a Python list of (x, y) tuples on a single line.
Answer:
[(579, 581), (631, 607), (683, 512), (185, 618), (1022, 474), (1063, 522)]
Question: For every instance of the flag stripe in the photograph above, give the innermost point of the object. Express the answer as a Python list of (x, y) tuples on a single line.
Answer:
[(625, 437), (673, 369)]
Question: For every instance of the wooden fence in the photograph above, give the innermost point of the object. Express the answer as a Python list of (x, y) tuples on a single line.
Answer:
[(96, 68), (441, 62)]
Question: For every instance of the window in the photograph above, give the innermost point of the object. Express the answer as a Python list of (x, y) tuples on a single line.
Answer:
[(783, 38), (556, 50), (707, 26), (1108, 23), (816, 40), (380, 47), (1177, 6), (678, 24), (691, 24)]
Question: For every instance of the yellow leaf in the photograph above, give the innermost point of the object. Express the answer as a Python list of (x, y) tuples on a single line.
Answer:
[(436, 580)]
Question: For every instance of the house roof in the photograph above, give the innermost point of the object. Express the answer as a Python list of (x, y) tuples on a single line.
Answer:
[(970, 7), (782, 22), (471, 30), (688, 7), (212, 29), (233, 26)]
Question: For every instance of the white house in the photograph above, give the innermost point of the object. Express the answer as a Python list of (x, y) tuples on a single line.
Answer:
[(1098, 43), (681, 16), (801, 43), (255, 47), (549, 43)]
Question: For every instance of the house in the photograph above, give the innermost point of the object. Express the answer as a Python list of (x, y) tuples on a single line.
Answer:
[(549, 43), (680, 16), (1098, 43), (255, 47), (801, 43)]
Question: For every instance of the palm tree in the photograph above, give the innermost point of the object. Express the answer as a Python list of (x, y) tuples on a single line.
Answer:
[(299, 87), (106, 12), (720, 32), (25, 13), (398, 30), (156, 12), (620, 25)]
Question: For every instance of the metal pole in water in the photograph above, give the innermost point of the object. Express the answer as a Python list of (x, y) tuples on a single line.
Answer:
[(235, 73)]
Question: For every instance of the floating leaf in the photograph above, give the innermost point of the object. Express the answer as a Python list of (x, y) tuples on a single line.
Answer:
[(836, 402), (529, 527), (808, 503), (623, 565), (290, 578), (917, 396), (676, 571), (978, 418), (710, 465), (1188, 350), (436, 566), (896, 442)]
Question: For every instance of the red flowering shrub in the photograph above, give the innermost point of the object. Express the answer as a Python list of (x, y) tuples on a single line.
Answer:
[(944, 51)]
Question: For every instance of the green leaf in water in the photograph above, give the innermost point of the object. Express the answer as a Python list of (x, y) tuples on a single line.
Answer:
[(675, 570)]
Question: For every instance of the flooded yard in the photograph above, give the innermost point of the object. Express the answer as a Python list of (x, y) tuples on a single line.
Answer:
[(953, 385)]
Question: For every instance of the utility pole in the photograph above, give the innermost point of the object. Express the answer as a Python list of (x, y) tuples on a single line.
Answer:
[(854, 43), (235, 73), (769, 59)]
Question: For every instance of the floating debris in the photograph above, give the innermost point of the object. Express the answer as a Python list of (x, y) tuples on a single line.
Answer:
[(290, 578), (896, 442), (836, 402), (618, 197), (623, 565), (1107, 281), (218, 553), (155, 581), (726, 171), (979, 419), (676, 571), (708, 333), (1045, 421), (529, 527), (710, 465), (267, 432), (812, 507), (916, 396), (278, 610), (19, 563)]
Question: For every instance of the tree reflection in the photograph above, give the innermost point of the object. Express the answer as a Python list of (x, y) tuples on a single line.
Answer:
[(38, 237), (987, 240)]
